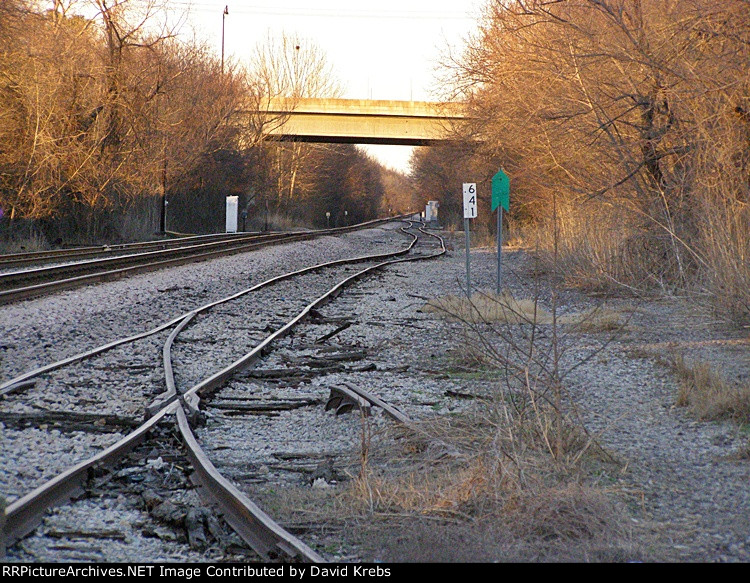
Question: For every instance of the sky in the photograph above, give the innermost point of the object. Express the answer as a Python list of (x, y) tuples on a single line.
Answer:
[(387, 49)]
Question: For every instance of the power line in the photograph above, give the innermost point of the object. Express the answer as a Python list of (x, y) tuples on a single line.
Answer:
[(325, 12), (312, 12)]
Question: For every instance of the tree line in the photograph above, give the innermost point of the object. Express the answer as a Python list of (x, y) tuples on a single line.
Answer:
[(107, 111), (624, 126)]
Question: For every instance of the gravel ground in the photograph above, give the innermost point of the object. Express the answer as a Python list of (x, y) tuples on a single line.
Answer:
[(117, 382), (32, 455), (133, 513), (682, 480), (689, 477), (227, 331), (40, 331), (625, 393)]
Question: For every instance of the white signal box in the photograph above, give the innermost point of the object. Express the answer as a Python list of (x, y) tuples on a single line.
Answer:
[(232, 204), (470, 200), (431, 211)]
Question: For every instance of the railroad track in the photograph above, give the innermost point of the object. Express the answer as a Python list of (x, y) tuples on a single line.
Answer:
[(93, 265), (181, 402), (87, 252)]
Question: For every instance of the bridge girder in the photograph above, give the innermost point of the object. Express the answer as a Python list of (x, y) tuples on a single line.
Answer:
[(353, 121)]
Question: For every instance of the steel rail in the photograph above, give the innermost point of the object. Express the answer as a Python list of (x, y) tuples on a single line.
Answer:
[(24, 380), (17, 259), (12, 277), (220, 377), (398, 416), (170, 394), (184, 255), (252, 524), (31, 257), (8, 260), (24, 514), (378, 402), (227, 372), (255, 527), (162, 258), (20, 382)]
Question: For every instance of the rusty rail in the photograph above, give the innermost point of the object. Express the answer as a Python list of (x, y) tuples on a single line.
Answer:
[(23, 515), (265, 536), (20, 382), (83, 252), (251, 523), (63, 276), (255, 527)]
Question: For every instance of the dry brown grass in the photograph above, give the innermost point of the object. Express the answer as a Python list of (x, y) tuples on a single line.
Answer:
[(438, 490), (601, 254), (505, 309), (24, 244), (571, 511), (488, 308), (725, 243), (611, 250), (525, 463), (707, 395), (595, 320), (506, 489)]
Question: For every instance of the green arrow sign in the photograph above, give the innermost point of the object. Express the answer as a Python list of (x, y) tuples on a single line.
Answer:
[(500, 191)]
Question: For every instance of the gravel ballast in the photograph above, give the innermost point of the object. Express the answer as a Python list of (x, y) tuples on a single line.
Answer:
[(685, 481)]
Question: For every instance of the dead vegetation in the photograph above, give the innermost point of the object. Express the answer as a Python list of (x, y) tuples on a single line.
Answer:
[(707, 395), (632, 118), (504, 308), (505, 498), (512, 478), (116, 123), (522, 484), (24, 244)]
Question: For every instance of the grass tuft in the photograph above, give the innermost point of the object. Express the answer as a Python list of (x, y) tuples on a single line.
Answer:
[(506, 309), (24, 244), (709, 396), (488, 308)]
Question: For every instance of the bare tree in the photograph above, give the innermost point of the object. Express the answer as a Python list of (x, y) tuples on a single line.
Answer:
[(624, 112), (284, 70), (104, 112)]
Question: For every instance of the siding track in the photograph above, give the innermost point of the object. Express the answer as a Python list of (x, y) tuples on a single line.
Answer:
[(181, 403)]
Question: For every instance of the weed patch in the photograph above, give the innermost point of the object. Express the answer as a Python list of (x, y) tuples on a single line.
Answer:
[(707, 395), (504, 499), (505, 309)]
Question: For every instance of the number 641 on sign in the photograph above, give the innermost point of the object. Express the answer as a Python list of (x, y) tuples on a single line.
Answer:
[(470, 200)]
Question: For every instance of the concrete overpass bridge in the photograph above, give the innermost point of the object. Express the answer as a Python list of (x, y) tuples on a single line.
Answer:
[(359, 121)]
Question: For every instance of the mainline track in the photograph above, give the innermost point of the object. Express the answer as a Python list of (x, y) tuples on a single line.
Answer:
[(140, 257), (62, 255), (251, 523)]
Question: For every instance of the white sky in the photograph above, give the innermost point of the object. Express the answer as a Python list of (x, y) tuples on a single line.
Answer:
[(387, 49)]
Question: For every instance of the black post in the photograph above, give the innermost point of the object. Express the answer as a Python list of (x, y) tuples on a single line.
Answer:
[(223, 18), (163, 211)]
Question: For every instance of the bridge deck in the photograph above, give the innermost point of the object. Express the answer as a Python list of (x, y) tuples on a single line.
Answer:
[(360, 121)]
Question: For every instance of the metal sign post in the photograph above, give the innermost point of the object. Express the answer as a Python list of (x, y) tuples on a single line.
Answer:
[(468, 258), (470, 212), (499, 249), (500, 201)]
